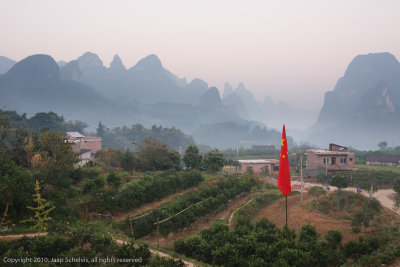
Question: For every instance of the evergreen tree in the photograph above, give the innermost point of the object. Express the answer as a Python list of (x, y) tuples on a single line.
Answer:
[(101, 129), (40, 220)]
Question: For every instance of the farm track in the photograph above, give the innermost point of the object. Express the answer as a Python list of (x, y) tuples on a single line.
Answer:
[(160, 254), (18, 236), (238, 208)]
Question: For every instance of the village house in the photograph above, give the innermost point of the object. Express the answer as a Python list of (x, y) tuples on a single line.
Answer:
[(384, 160), (335, 159), (259, 166), (86, 146)]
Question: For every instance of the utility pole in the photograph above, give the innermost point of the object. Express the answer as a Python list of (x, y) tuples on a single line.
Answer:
[(301, 177), (326, 165), (158, 232)]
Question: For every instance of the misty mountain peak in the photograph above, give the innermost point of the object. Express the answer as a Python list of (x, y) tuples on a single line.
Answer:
[(151, 62), (36, 68), (366, 70), (211, 99), (90, 64), (117, 65), (241, 87), (90, 59), (197, 84), (268, 101), (71, 71), (378, 101), (5, 64), (228, 89)]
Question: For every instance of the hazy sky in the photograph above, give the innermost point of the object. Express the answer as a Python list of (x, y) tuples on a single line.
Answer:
[(291, 50)]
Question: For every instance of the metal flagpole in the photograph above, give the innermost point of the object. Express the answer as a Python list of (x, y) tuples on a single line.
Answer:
[(286, 212)]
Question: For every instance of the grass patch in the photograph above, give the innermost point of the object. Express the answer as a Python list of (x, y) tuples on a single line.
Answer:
[(258, 202), (378, 168)]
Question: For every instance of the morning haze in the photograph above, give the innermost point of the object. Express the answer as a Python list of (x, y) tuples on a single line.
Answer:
[(280, 57), (200, 133)]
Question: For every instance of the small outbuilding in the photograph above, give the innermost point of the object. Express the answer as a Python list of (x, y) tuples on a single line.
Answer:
[(258, 166)]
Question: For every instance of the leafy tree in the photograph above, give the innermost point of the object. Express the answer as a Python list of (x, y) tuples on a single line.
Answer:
[(101, 129), (49, 120), (40, 220), (340, 182), (213, 161), (308, 234), (334, 238), (5, 127), (15, 187), (192, 158), (113, 179), (382, 145), (53, 158), (75, 126), (157, 156)]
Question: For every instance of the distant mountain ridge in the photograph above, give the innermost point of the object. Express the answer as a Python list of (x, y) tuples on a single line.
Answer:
[(363, 108), (38, 84), (5, 64)]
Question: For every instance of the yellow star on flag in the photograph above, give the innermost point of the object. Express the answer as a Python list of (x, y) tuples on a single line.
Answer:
[(283, 139)]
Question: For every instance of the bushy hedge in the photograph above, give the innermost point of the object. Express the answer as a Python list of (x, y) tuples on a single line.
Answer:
[(362, 178), (150, 187), (264, 244), (80, 244), (216, 197)]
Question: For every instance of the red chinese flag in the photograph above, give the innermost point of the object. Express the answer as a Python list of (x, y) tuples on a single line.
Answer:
[(284, 174)]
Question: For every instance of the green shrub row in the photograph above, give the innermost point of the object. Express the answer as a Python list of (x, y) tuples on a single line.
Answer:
[(215, 198)]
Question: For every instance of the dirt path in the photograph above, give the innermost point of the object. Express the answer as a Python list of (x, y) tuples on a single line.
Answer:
[(383, 196), (201, 223), (152, 205), (238, 208), (160, 254), (14, 237)]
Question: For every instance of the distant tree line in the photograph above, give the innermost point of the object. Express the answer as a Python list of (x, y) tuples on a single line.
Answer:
[(127, 138), (360, 178)]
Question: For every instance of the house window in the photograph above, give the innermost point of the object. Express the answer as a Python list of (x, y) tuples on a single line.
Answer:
[(343, 160), (276, 168), (249, 169), (333, 160), (350, 159), (326, 160)]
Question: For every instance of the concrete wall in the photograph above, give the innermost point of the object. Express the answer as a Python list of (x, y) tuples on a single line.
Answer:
[(257, 167), (316, 161), (91, 143)]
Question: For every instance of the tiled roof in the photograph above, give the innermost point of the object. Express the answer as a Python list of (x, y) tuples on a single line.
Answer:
[(75, 134), (257, 161), (328, 152), (384, 158)]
